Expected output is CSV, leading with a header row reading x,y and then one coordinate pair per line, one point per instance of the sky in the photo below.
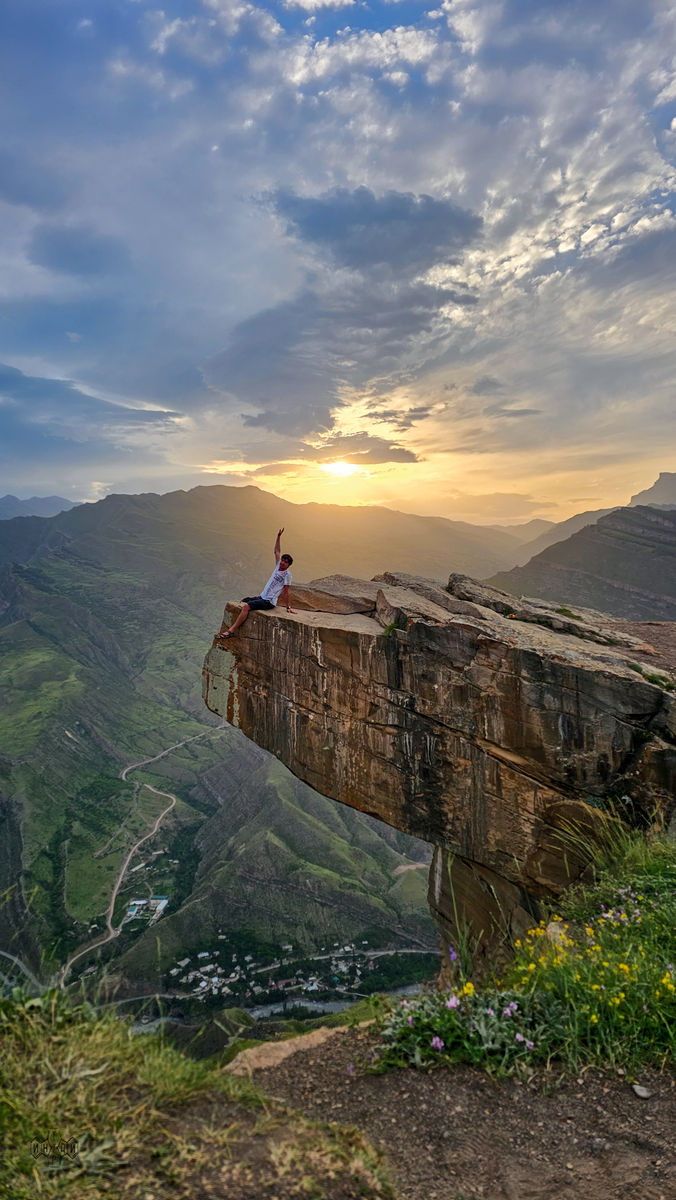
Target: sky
x,y
350,252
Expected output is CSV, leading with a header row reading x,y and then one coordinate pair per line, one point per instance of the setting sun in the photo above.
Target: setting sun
x,y
340,468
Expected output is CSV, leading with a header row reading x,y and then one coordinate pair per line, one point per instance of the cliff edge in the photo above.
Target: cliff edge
x,y
496,729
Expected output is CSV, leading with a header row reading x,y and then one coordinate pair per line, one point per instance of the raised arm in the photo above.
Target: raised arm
x,y
278,550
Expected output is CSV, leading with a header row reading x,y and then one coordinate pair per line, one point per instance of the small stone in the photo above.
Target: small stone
x,y
643,1093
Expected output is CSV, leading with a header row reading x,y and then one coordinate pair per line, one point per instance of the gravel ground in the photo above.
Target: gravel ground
x,y
454,1133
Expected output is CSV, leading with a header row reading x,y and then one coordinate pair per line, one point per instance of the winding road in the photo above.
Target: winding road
x,y
144,762
112,932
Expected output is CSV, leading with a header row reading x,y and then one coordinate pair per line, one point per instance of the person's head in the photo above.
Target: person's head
x,y
285,561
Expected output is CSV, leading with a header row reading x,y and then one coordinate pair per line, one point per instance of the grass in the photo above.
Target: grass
x,y
661,681
89,1110
567,612
595,983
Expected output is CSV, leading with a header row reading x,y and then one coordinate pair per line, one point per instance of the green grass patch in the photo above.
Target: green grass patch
x,y
87,1109
36,682
595,983
661,681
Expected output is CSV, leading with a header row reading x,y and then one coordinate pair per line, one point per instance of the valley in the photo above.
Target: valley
x,y
119,789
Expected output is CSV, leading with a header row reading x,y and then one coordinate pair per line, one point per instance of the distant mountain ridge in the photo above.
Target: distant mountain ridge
x,y
239,523
662,492
625,564
558,533
36,506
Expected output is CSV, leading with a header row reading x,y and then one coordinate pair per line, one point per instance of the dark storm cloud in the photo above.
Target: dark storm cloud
x,y
399,231
76,250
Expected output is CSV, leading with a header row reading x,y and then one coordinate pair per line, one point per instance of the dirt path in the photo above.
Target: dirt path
x,y
454,1133
144,762
112,931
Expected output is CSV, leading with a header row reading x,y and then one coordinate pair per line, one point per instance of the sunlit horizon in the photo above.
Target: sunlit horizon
x,y
424,259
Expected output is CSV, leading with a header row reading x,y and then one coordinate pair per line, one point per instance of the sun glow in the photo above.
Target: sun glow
x,y
339,468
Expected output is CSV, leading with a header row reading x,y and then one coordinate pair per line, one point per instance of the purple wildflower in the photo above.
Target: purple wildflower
x,y
518,1037
452,1002
530,1045
452,954
490,1012
506,1012
350,1068
437,1043
410,1020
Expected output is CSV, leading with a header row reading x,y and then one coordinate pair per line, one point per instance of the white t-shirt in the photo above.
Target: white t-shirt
x,y
276,582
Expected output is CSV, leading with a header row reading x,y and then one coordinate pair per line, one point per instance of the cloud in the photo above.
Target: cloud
x,y
361,449
358,51
27,182
61,409
486,198
292,363
314,5
76,250
402,419
486,386
400,231
502,410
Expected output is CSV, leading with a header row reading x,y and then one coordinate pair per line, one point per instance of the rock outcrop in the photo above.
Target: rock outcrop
x,y
496,729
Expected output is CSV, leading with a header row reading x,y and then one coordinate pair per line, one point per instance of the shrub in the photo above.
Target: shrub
x,y
594,985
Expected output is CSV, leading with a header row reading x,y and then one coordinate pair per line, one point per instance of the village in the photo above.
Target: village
x,y
342,970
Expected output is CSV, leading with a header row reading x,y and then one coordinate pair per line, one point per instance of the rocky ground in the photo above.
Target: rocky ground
x,y
455,1133
661,635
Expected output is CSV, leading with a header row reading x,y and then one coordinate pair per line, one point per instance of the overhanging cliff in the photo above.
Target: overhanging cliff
x,y
485,725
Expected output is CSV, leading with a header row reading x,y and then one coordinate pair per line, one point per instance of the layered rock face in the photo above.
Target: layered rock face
x,y
479,723
623,564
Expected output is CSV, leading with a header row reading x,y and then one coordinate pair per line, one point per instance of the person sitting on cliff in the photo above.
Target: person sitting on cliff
x,y
278,584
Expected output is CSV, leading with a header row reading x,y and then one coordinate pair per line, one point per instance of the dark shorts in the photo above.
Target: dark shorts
x,y
257,602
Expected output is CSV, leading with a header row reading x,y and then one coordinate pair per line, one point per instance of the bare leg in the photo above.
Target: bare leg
x,y
236,624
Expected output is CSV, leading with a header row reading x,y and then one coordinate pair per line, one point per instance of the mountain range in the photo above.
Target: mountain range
x,y
105,613
624,564
36,506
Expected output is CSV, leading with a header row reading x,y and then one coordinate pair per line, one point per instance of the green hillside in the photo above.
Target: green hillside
x,y
105,615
